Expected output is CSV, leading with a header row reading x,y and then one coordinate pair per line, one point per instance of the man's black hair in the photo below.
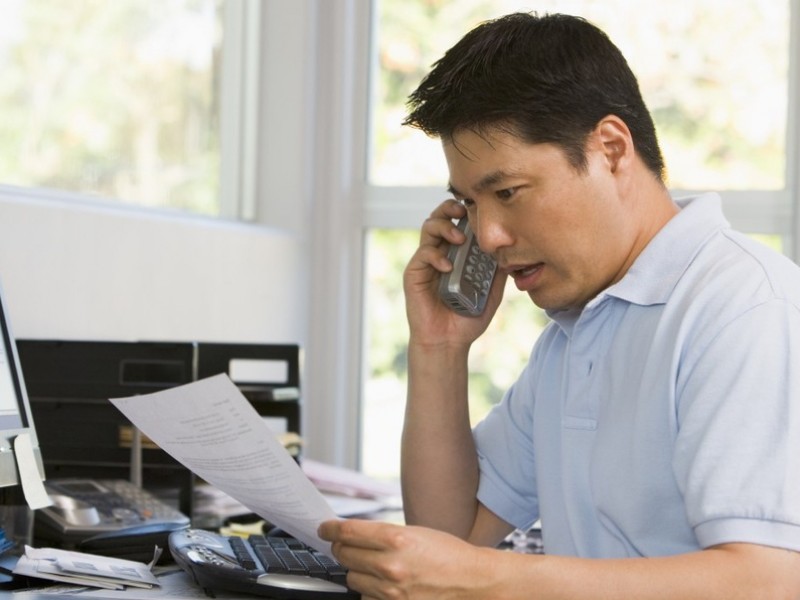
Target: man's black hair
x,y
546,79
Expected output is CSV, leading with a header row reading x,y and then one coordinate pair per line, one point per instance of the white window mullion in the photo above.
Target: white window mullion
x,y
333,356
793,129
239,108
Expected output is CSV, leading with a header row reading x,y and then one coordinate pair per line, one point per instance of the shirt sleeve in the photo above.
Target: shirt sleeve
x,y
737,453
506,458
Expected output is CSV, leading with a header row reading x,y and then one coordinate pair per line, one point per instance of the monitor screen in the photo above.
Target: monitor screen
x,y
15,416
10,417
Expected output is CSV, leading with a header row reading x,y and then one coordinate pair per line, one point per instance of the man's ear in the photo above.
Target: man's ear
x,y
613,139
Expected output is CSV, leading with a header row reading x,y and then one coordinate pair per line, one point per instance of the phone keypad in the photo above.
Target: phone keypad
x,y
116,500
479,270
143,502
466,288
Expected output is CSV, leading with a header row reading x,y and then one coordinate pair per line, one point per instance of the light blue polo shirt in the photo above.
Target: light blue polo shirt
x,y
665,416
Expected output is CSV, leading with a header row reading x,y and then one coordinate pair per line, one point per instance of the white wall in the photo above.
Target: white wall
x,y
74,270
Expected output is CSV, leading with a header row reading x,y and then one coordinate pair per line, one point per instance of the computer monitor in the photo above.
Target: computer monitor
x,y
15,411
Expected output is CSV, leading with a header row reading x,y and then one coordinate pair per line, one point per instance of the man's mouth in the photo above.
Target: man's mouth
x,y
525,276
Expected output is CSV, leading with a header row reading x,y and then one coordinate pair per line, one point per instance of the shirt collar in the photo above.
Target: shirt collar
x,y
657,270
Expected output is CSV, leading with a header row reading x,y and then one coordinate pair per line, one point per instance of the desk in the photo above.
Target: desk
x,y
175,583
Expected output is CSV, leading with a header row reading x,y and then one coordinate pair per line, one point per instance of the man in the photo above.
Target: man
x,y
656,428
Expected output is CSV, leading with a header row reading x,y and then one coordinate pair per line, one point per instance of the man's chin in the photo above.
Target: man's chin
x,y
553,304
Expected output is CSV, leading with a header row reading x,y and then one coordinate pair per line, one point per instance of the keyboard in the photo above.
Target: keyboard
x,y
272,567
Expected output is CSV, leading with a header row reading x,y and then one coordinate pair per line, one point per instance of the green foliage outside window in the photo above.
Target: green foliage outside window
x,y
116,99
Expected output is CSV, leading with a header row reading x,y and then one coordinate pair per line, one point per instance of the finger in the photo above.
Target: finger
x,y
364,534
375,573
368,585
435,231
352,532
428,255
449,209
439,226
329,530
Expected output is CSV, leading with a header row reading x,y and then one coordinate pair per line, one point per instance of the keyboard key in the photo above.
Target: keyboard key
x,y
242,554
288,556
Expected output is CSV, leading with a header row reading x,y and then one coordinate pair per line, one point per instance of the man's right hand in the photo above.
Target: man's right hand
x,y
430,320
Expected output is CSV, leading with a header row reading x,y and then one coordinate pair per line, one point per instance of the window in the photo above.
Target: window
x,y
718,92
718,84
113,99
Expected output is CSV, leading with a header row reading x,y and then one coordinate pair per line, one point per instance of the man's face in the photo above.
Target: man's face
x,y
564,235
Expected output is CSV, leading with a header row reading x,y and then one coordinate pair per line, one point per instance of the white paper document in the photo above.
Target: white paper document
x,y
79,568
212,429
174,584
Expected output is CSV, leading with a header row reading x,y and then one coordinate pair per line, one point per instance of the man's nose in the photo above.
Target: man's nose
x,y
492,232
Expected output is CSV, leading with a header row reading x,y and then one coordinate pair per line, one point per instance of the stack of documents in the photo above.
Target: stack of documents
x,y
85,569
346,482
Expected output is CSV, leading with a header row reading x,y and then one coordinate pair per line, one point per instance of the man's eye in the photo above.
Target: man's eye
x,y
467,202
506,193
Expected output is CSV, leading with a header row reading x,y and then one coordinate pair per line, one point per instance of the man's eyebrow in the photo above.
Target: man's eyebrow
x,y
491,180
487,181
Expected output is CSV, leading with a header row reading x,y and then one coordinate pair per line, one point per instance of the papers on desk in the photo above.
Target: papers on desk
x,y
208,501
174,583
85,569
343,482
211,428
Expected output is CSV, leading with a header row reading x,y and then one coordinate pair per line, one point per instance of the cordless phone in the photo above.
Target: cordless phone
x,y
466,288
